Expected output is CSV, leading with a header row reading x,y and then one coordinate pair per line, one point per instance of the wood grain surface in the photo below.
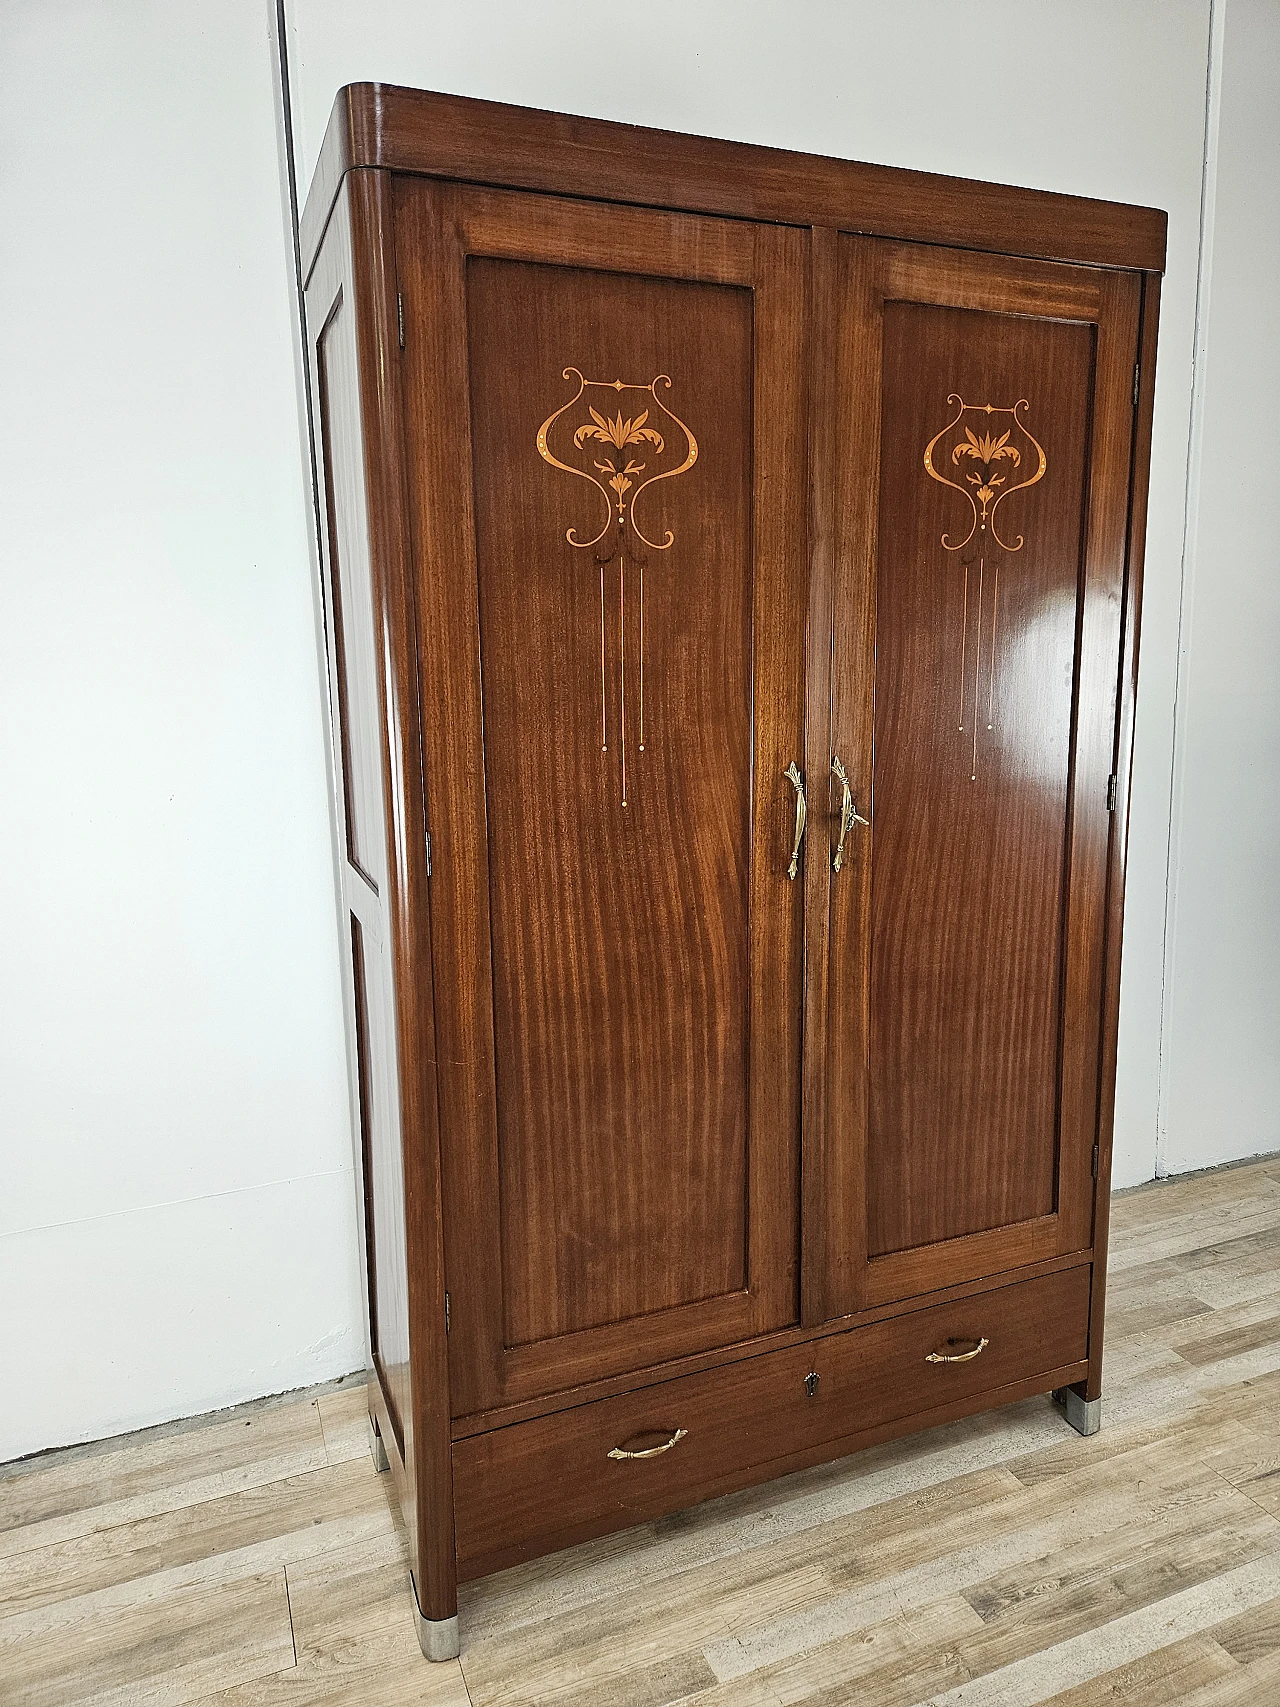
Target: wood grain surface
x,y
963,1050
487,142
367,588
632,1104
352,568
617,705
975,672
620,1057
251,1559
720,1357
1119,845
535,1487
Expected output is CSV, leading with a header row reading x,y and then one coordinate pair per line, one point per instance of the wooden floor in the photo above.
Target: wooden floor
x,y
250,1559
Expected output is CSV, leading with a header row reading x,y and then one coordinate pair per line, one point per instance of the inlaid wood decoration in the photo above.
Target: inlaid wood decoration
x,y
990,461
970,845
632,824
731,594
976,639
627,453
621,1066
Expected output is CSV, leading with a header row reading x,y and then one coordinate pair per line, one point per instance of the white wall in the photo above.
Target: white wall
x,y
1222,1043
1097,97
176,1198
176,1225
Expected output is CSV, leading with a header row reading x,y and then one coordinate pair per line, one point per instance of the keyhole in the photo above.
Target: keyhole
x,y
811,1383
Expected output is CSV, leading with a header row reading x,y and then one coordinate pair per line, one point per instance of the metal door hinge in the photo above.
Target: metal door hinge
x,y
446,1296
1111,792
1137,378
400,317
428,853
1095,1161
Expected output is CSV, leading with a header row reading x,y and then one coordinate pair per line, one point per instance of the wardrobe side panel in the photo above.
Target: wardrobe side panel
x,y
351,637
1127,698
352,631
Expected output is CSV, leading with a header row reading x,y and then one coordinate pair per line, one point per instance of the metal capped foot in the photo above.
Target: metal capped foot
x,y
1084,1415
377,1451
437,1637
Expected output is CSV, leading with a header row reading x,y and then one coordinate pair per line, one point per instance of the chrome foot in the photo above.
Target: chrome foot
x,y
1084,1415
437,1637
377,1451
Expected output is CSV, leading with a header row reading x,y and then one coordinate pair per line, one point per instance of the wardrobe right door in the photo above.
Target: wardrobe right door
x,y
982,442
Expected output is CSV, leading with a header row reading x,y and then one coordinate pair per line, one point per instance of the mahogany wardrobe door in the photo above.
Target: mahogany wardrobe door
x,y
985,411
606,457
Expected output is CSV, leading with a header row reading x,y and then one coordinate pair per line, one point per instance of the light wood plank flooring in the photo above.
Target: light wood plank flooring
x,y
250,1559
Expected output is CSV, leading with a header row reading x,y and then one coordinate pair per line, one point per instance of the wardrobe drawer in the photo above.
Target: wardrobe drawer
x,y
529,1488
535,1486
914,1363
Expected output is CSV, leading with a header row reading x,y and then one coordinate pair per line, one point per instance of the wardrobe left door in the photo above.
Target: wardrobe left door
x,y
604,413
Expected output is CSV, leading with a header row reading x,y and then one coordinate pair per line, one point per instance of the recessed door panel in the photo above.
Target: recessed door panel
x,y
979,566
978,583
615,642
605,417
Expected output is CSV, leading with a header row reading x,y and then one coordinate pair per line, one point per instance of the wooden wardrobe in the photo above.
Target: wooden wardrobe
x,y
731,576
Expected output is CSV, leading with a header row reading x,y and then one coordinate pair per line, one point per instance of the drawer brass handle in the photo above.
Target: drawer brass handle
x,y
797,782
958,1357
849,814
649,1451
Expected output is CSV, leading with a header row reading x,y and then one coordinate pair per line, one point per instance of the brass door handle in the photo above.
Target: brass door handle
x,y
849,814
957,1357
797,782
649,1451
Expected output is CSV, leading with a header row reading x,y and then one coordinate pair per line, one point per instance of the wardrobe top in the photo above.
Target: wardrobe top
x,y
488,142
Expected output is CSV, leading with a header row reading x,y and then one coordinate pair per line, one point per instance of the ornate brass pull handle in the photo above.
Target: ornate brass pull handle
x,y
959,1357
797,782
649,1451
849,814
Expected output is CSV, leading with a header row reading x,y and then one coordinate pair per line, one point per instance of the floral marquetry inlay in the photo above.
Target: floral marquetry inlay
x,y
990,465
986,483
628,453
